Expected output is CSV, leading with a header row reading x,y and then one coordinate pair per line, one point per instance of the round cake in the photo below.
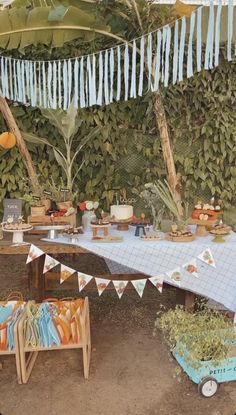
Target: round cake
x,y
122,212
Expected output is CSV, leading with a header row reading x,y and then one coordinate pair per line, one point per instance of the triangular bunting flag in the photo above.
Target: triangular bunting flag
x,y
83,280
139,286
34,253
101,284
158,282
66,272
120,287
175,275
207,257
49,263
191,267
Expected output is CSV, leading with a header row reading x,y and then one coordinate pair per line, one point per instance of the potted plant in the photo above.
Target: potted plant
x,y
68,152
201,341
160,198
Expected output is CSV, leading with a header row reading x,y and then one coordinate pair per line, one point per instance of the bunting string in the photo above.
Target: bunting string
x,y
190,269
124,71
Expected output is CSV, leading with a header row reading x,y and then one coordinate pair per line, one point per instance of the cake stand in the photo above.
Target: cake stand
x,y
52,230
219,237
202,225
18,235
122,225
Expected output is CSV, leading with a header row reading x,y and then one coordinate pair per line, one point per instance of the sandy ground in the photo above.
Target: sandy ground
x,y
131,371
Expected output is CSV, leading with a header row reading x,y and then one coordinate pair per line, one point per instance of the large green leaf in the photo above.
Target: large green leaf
x,y
67,122
20,27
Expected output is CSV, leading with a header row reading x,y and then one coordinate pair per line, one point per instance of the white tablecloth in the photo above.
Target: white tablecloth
x,y
159,257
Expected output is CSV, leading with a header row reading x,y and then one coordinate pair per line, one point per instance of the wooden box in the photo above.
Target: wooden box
x,y
27,362
46,220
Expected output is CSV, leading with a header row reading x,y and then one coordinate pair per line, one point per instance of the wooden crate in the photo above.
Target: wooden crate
x,y
46,220
27,362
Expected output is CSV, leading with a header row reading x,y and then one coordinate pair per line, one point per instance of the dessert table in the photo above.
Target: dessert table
x,y
134,258
160,258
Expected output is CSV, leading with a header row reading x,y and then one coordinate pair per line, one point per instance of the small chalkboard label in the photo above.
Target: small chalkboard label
x,y
65,190
12,209
36,197
47,192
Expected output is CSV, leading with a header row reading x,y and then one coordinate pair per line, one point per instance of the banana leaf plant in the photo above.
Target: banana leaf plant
x,y
67,124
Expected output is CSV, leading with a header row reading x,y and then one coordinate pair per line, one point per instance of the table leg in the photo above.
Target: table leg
x,y
185,298
36,279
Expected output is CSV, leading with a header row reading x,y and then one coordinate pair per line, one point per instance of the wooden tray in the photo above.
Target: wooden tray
x,y
108,239
180,238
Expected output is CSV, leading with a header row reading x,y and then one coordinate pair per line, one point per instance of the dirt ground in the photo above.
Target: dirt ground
x,y
131,370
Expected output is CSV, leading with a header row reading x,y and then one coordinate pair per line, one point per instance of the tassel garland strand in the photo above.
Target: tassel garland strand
x,y
126,71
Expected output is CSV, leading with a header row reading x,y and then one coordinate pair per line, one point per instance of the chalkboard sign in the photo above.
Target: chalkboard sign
x,y
12,209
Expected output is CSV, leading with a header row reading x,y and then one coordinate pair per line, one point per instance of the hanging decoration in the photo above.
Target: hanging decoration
x,y
139,286
49,263
34,253
124,71
83,280
120,287
207,257
7,140
66,272
175,276
157,282
101,284
190,267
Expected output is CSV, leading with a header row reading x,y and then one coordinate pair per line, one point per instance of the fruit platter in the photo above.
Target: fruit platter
x,y
180,234
205,216
207,211
219,231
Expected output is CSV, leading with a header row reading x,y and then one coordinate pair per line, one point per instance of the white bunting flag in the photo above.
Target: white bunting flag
x,y
34,253
191,267
139,286
66,272
207,257
120,287
83,280
175,275
158,282
49,263
101,284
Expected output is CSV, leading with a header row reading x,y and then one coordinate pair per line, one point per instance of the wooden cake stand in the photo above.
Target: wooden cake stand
x,y
122,225
202,225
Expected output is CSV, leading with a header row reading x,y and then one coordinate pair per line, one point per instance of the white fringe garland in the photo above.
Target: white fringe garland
x,y
123,72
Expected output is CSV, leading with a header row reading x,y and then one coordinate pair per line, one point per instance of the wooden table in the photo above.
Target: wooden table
x,y
40,283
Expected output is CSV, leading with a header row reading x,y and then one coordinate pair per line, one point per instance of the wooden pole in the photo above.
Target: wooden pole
x,y
161,122
13,127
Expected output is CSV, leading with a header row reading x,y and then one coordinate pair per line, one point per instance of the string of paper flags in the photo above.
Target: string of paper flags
x,y
124,71
83,279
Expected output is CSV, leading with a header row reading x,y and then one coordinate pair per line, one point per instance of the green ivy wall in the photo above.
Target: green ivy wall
x,y
127,153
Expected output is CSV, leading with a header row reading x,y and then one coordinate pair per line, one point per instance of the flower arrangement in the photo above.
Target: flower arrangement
x,y
88,205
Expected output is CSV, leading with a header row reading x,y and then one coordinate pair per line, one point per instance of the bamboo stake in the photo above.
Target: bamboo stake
x,y
161,122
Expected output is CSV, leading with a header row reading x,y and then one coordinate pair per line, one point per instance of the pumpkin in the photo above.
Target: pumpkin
x,y
7,140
